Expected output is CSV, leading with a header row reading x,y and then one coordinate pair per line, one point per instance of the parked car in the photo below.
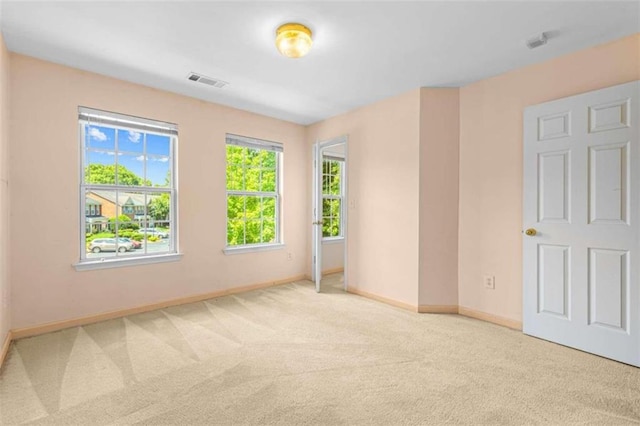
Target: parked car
x,y
154,232
135,244
109,244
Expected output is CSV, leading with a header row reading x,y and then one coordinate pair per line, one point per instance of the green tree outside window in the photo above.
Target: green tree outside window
x,y
252,195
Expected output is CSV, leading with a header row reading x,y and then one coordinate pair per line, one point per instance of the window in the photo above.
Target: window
x,y
332,197
128,167
253,192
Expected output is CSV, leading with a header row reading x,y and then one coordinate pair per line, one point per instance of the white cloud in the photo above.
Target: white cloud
x,y
113,153
160,159
96,134
134,136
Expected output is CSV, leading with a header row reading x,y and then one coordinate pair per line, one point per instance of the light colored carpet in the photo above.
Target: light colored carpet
x,y
287,355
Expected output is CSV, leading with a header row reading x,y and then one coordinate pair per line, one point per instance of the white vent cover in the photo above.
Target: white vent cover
x,y
207,80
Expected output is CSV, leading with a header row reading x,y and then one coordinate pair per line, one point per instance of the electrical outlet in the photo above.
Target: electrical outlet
x,y
289,256
489,282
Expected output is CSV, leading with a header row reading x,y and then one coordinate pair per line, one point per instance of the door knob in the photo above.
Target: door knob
x,y
531,232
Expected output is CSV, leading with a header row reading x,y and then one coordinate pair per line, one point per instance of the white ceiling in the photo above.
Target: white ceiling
x,y
363,51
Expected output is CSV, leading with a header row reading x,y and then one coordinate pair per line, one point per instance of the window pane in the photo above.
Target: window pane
x,y
326,207
235,232
106,201
253,233
268,180
331,177
127,220
325,184
251,219
235,155
99,233
269,208
235,178
331,217
330,227
100,137
158,171
159,209
96,225
130,170
269,231
253,209
158,144
335,218
130,141
326,226
335,188
252,179
252,157
235,207
100,167
335,207
157,232
124,232
268,160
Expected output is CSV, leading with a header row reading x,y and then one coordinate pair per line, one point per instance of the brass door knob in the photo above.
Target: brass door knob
x,y
531,232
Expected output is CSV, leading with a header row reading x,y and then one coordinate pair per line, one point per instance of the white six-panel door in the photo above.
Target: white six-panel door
x,y
581,201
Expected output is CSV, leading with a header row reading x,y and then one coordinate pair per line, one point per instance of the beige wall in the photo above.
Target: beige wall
x,y
439,141
382,194
403,188
5,293
491,163
44,148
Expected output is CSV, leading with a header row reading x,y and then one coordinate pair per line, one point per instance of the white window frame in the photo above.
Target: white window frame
x,y
341,197
113,120
278,148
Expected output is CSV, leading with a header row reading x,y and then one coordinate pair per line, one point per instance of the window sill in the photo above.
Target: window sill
x,y
253,248
333,240
133,261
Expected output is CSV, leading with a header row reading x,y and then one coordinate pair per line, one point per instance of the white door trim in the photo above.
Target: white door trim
x,y
316,212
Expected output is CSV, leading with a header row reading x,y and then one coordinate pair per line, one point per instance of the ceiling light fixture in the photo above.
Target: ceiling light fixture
x,y
293,40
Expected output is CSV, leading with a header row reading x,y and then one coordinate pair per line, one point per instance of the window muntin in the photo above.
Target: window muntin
x,y
127,186
332,197
253,192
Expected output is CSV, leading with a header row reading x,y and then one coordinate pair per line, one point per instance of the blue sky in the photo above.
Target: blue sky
x,y
130,151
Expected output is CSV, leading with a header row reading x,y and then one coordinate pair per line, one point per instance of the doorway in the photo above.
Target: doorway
x,y
329,214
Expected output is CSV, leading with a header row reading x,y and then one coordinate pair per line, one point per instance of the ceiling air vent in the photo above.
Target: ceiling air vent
x,y
537,41
207,80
